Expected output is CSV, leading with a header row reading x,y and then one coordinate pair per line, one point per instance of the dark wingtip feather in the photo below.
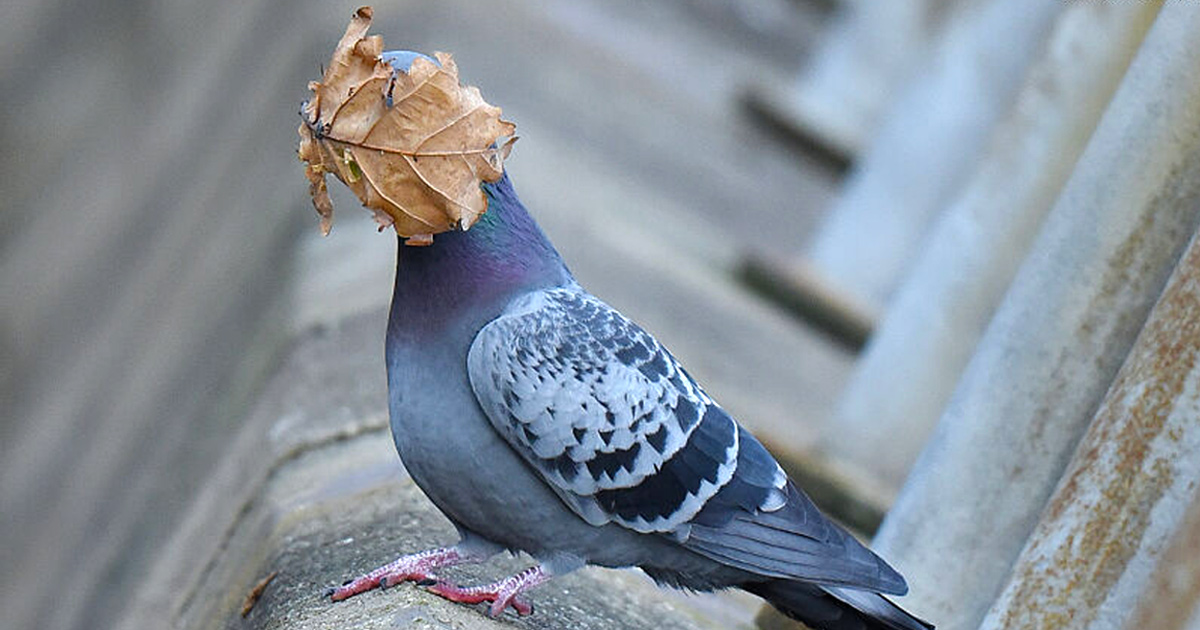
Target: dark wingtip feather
x,y
833,608
879,608
796,542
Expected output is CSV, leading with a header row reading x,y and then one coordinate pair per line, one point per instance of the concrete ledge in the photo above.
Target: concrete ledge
x,y
312,491
341,510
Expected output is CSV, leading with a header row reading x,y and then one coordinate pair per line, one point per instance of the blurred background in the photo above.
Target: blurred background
x,y
158,248
765,184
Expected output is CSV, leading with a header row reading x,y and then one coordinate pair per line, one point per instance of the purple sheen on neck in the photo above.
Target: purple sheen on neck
x,y
467,278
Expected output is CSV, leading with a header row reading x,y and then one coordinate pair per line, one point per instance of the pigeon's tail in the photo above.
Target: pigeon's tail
x,y
836,608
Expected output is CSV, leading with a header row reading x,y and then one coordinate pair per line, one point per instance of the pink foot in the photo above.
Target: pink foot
x,y
502,594
477,594
415,567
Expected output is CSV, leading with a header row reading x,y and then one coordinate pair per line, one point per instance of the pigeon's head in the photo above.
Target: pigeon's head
x,y
402,59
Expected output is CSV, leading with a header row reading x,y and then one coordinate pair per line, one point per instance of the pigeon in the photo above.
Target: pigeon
x,y
537,418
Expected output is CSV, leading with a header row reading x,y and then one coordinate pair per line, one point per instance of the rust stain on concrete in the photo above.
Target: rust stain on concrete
x,y
1174,593
1095,522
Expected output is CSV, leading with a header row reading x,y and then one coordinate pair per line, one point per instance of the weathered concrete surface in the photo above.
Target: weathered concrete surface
x,y
329,387
928,144
1092,557
331,523
1173,600
908,370
312,488
1057,340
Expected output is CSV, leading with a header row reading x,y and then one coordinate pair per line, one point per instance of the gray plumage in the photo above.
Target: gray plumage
x,y
597,406
538,418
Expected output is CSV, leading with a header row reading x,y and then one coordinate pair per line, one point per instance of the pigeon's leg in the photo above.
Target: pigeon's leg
x,y
502,594
415,567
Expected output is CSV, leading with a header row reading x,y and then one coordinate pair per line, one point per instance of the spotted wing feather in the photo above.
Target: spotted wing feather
x,y
602,411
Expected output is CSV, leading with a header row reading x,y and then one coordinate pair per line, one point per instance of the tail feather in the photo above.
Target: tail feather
x,y
836,608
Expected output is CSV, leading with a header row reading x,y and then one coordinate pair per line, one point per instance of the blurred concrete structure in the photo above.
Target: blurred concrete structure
x,y
866,55
908,371
1057,340
927,145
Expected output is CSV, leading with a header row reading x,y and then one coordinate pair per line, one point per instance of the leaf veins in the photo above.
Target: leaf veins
x,y
413,146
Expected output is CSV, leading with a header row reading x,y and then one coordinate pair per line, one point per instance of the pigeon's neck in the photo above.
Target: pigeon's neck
x,y
464,279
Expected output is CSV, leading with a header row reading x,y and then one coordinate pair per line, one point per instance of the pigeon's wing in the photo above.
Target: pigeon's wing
x,y
623,434
784,537
602,411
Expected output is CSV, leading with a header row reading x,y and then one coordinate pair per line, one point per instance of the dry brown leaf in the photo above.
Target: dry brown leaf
x,y
414,147
256,593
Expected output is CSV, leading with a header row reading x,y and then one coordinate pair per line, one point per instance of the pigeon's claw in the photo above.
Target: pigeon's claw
x,y
502,595
477,594
415,567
